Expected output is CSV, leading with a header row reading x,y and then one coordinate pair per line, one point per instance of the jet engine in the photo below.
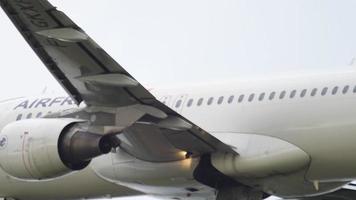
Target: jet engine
x,y
37,149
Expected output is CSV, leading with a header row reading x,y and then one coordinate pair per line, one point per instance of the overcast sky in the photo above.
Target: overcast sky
x,y
166,42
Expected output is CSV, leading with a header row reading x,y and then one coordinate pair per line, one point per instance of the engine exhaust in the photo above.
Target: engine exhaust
x,y
77,149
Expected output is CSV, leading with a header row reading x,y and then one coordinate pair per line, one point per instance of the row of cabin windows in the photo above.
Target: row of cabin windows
x,y
240,99
271,96
30,116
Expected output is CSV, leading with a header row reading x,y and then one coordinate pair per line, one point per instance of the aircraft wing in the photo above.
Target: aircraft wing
x,y
89,74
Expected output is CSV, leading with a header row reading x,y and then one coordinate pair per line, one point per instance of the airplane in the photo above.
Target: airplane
x,y
108,136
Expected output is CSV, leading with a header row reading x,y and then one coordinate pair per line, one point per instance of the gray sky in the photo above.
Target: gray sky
x,y
166,42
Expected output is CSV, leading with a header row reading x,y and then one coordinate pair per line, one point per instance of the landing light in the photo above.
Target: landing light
x,y
186,154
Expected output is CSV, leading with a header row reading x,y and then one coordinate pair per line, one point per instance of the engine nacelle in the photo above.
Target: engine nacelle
x,y
37,149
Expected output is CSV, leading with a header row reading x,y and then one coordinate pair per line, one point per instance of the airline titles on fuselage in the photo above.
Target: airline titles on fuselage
x,y
44,103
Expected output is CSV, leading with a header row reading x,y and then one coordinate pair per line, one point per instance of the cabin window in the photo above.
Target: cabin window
x,y
303,93
241,98
220,100
346,89
179,103
313,92
262,96
334,91
292,94
190,103
19,117
231,99
272,95
210,100
251,97
200,101
282,95
354,89
324,91
164,100
39,115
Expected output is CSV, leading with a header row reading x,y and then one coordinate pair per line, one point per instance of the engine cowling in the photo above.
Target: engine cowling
x,y
37,149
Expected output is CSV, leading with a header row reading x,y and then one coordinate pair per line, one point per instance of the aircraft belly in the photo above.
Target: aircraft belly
x,y
173,179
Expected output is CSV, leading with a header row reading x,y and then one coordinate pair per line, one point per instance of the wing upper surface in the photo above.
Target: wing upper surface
x,y
83,68
89,74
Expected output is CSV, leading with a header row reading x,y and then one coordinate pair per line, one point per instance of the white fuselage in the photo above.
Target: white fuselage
x,y
319,122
